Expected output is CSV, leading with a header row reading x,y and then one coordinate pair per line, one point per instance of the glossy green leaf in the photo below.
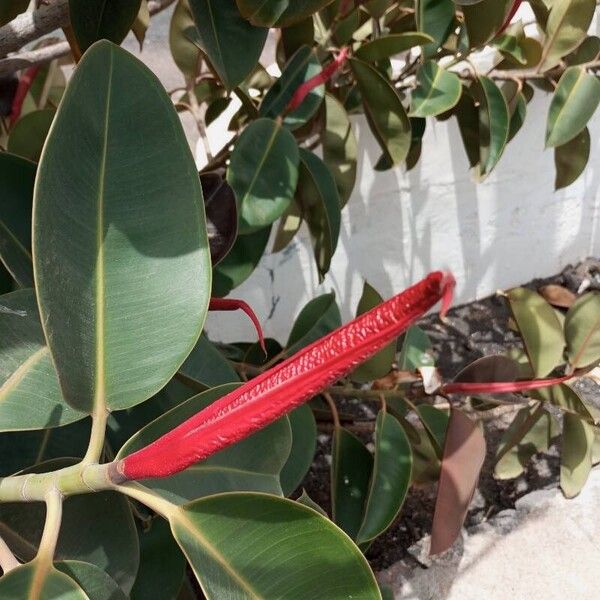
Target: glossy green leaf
x,y
241,546
206,366
467,115
587,51
28,135
494,123
34,582
280,13
302,452
305,499
96,584
575,454
384,111
50,82
303,65
230,42
415,350
339,147
437,91
567,26
120,241
435,18
17,176
570,159
484,19
263,173
389,45
567,399
162,565
94,20
10,9
351,469
390,479
318,318
318,198
253,464
379,365
185,53
30,396
540,329
573,104
582,330
435,422
240,262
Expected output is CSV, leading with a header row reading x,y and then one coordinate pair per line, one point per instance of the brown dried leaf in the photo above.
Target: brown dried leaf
x,y
557,295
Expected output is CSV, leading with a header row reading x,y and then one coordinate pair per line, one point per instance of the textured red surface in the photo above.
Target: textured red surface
x,y
233,304
287,385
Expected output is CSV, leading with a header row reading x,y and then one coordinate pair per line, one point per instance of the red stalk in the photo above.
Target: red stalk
x,y
319,79
292,382
509,16
233,304
502,387
24,86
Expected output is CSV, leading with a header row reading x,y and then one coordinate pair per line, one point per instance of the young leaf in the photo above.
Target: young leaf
x,y
216,534
570,159
582,330
384,111
339,147
49,583
464,453
390,479
318,198
230,42
119,241
540,329
573,104
388,45
575,454
567,26
435,18
263,173
94,20
17,176
437,91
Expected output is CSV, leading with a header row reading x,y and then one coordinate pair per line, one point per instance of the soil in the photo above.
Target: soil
x,y
474,330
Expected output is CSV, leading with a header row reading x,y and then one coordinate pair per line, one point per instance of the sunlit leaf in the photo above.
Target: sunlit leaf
x,y
575,454
582,330
437,91
391,44
571,159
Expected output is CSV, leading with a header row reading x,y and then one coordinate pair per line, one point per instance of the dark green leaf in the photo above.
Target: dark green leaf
x,y
575,454
582,330
185,53
280,13
570,159
467,115
435,18
435,422
391,44
29,133
49,584
415,350
96,584
484,19
437,91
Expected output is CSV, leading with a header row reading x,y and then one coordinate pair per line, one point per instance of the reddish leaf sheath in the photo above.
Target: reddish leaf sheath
x,y
319,79
25,83
287,385
233,304
509,16
502,387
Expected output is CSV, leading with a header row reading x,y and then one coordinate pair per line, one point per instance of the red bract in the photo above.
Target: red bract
x,y
502,387
287,385
233,304
24,85
319,79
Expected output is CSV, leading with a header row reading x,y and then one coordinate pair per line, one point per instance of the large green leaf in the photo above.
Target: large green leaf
x,y
30,396
263,173
388,45
540,329
380,364
121,256
94,20
243,546
35,582
438,90
384,111
185,53
415,350
253,464
302,452
390,479
28,135
339,147
582,330
17,176
351,469
484,19
230,42
95,582
318,198
280,13
435,18
303,65
494,123
570,159
318,318
575,454
573,104
567,27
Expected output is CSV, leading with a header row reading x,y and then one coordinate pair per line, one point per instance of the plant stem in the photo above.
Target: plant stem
x,y
8,561
97,435
49,539
146,496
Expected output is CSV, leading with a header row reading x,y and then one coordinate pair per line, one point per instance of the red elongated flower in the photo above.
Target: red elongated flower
x,y
25,82
234,304
319,79
292,382
502,387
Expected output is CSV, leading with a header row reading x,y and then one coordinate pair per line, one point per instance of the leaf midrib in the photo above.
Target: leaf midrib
x,y
22,370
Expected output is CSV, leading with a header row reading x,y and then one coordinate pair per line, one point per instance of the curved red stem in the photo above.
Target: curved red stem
x,y
24,86
282,388
234,304
509,16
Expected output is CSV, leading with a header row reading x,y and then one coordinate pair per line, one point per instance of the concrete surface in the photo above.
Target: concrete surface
x,y
548,548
